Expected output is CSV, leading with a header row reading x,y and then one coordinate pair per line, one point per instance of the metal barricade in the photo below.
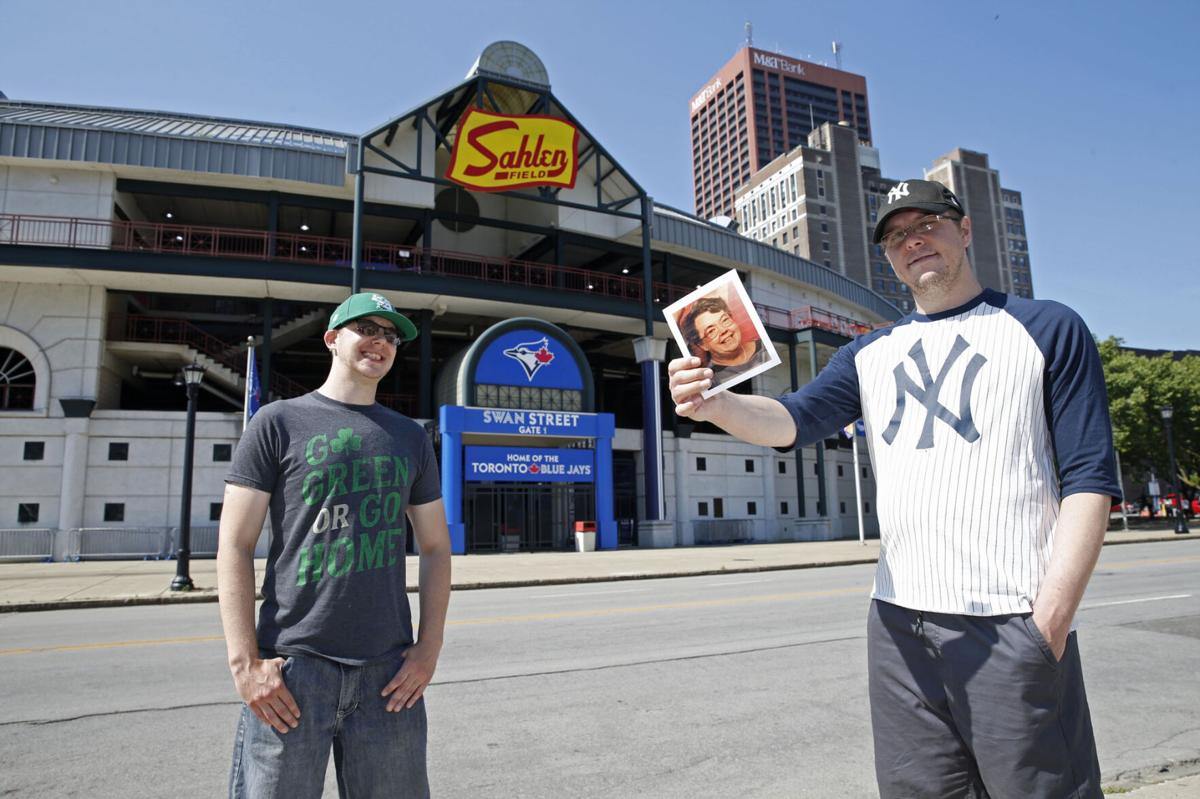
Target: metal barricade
x,y
723,531
24,543
203,542
119,543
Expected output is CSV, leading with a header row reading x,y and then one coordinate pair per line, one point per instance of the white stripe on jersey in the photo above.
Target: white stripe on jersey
x,y
968,494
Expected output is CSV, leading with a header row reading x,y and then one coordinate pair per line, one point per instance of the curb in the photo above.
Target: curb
x,y
210,595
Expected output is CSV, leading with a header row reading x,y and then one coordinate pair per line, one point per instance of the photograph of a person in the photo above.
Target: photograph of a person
x,y
717,323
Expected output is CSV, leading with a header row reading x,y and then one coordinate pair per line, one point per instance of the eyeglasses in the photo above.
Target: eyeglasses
x,y
372,330
711,332
894,239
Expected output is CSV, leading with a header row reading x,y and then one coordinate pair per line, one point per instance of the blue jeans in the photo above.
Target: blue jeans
x,y
376,753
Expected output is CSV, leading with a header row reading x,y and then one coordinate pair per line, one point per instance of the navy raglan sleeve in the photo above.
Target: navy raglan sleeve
x,y
828,403
1076,401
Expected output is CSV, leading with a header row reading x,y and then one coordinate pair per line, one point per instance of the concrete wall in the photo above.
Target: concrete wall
x,y
51,191
148,484
59,328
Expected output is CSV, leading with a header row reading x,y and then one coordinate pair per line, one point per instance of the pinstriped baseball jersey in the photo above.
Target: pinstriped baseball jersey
x,y
979,419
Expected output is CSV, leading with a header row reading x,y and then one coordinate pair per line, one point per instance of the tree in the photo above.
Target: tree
x,y
1138,387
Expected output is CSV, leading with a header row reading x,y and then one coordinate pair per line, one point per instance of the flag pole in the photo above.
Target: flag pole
x,y
250,380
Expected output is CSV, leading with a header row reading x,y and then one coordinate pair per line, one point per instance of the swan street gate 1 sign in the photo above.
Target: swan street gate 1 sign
x,y
523,460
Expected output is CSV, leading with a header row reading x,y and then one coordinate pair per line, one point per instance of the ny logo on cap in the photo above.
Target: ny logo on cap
x,y
898,191
381,302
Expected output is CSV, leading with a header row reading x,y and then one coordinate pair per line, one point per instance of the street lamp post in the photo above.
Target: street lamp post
x,y
1181,527
193,373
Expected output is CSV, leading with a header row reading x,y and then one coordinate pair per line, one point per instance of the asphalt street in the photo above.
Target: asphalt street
x,y
715,686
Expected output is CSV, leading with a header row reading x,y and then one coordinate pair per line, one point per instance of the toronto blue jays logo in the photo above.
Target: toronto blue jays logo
x,y
928,391
532,355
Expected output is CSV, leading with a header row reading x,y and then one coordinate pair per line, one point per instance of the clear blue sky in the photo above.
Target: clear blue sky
x,y
1090,109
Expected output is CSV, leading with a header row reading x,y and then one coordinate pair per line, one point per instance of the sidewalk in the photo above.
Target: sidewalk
x,y
57,586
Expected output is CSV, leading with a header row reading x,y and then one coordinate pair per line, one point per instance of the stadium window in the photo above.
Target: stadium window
x,y
35,450
702,509
783,467
841,472
118,451
751,508
701,464
17,381
749,465
718,508
783,509
27,512
114,511
222,452
842,506
214,511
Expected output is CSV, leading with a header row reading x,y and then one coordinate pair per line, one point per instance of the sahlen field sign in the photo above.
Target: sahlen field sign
x,y
497,152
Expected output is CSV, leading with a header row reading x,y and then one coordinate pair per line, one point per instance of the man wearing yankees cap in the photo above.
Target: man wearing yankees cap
x,y
988,425
334,664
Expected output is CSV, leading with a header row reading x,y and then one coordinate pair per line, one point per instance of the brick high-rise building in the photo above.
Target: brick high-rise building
x,y
821,201
757,107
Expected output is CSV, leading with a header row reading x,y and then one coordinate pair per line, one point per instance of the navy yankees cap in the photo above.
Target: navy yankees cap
x,y
922,195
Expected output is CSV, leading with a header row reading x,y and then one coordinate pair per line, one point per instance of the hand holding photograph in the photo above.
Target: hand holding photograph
x,y
718,324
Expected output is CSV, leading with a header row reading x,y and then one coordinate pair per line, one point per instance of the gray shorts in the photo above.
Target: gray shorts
x,y
976,706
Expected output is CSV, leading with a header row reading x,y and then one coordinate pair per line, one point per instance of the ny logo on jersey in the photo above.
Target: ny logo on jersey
x,y
896,192
928,391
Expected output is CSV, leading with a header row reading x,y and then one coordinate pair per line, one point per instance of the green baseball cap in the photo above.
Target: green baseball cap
x,y
370,304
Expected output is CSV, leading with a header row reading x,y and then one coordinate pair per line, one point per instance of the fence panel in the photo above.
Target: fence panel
x,y
24,543
120,543
723,531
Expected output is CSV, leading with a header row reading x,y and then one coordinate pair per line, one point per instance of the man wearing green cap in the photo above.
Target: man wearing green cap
x,y
334,663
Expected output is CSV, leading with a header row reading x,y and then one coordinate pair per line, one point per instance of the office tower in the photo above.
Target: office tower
x,y
757,107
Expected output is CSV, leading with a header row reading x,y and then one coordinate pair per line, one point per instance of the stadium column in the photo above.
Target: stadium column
x,y
682,449
800,510
74,473
356,256
649,353
806,337
425,368
264,351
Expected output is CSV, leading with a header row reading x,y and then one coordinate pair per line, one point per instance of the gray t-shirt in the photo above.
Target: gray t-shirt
x,y
340,478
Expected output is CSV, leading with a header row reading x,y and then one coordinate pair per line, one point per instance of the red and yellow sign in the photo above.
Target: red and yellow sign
x,y
496,152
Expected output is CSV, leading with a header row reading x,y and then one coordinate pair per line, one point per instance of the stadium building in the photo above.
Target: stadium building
x,y
134,243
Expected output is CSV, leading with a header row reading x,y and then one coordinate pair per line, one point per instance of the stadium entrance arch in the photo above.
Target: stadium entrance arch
x,y
524,455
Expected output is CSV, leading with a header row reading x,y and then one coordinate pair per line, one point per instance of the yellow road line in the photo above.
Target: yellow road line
x,y
1129,564
569,614
109,645
699,603
565,614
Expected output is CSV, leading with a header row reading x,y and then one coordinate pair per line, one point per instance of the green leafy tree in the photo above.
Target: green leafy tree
x,y
1138,388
